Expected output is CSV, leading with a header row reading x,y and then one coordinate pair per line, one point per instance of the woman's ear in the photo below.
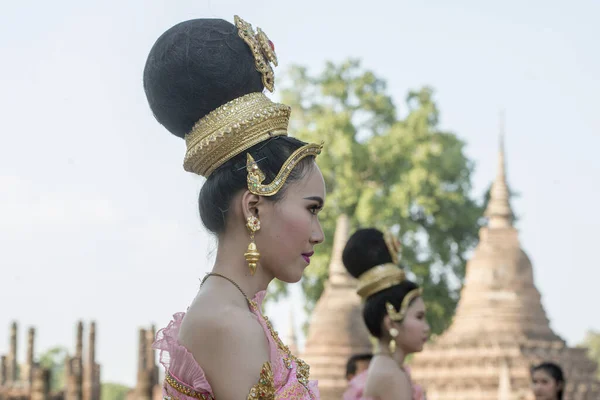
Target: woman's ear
x,y
387,324
250,204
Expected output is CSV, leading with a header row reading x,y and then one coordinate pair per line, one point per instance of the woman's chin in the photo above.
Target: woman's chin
x,y
291,275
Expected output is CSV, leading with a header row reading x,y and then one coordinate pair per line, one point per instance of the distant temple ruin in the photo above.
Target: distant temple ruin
x,y
500,328
30,381
148,385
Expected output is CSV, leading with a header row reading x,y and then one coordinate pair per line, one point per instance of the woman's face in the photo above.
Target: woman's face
x,y
545,386
414,329
290,228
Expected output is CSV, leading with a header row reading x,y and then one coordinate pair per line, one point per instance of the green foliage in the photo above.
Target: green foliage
x,y
54,360
113,391
592,342
384,171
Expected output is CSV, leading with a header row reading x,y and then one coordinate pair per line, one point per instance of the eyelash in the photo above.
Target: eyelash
x,y
314,210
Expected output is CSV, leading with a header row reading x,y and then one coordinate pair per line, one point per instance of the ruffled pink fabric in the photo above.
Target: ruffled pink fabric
x,y
177,359
182,366
357,385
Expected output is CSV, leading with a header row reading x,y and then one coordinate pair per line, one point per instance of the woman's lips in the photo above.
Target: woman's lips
x,y
307,256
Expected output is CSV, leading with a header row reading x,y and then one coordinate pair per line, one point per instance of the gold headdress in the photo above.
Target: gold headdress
x,y
385,276
379,278
244,122
232,128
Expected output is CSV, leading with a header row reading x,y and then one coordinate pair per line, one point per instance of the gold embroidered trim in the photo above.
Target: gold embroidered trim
x,y
174,383
265,388
302,368
256,176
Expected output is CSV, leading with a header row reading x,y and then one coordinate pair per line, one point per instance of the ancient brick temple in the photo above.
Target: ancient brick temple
x,y
29,381
336,328
500,328
148,386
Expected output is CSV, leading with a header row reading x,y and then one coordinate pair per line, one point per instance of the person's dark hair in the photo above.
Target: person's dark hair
x,y
193,68
351,364
555,371
365,249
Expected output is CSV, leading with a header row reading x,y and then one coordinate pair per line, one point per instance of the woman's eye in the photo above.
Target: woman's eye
x,y
314,209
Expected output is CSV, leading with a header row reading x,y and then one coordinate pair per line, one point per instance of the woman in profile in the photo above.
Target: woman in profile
x,y
394,313
548,381
204,81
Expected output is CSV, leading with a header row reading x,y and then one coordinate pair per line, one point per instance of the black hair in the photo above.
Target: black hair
x,y
193,68
366,249
555,371
351,364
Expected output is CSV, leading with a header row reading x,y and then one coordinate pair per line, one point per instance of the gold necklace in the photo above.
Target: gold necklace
x,y
250,301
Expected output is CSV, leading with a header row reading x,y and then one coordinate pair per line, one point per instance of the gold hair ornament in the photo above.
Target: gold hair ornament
x,y
379,278
256,176
262,49
232,128
398,316
393,245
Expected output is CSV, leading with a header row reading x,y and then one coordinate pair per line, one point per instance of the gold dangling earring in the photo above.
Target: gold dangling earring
x,y
392,346
252,255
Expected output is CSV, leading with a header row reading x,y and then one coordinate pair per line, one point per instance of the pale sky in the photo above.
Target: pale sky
x,y
99,221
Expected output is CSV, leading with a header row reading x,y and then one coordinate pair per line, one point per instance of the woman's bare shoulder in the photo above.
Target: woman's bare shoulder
x,y
229,344
388,383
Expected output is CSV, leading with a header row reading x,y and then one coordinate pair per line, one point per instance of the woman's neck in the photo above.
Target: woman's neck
x,y
230,263
383,349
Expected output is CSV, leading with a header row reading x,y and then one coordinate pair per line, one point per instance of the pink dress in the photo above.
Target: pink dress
x,y
283,377
357,386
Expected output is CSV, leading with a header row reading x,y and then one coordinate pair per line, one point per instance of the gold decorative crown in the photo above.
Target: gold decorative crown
x,y
393,245
379,278
232,128
398,316
262,49
256,176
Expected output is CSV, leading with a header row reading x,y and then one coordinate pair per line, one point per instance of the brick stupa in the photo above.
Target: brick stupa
x,y
500,328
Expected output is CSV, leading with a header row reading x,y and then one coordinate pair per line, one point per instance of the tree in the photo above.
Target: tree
x,y
114,391
54,360
384,171
592,342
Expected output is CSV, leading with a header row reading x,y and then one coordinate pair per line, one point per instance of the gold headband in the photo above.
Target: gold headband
x,y
379,278
398,316
232,128
256,176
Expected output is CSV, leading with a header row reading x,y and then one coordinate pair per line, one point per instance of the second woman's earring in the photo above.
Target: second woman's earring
x,y
392,346
252,255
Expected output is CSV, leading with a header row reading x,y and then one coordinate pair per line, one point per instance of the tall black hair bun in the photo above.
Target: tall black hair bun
x,y
195,67
365,249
